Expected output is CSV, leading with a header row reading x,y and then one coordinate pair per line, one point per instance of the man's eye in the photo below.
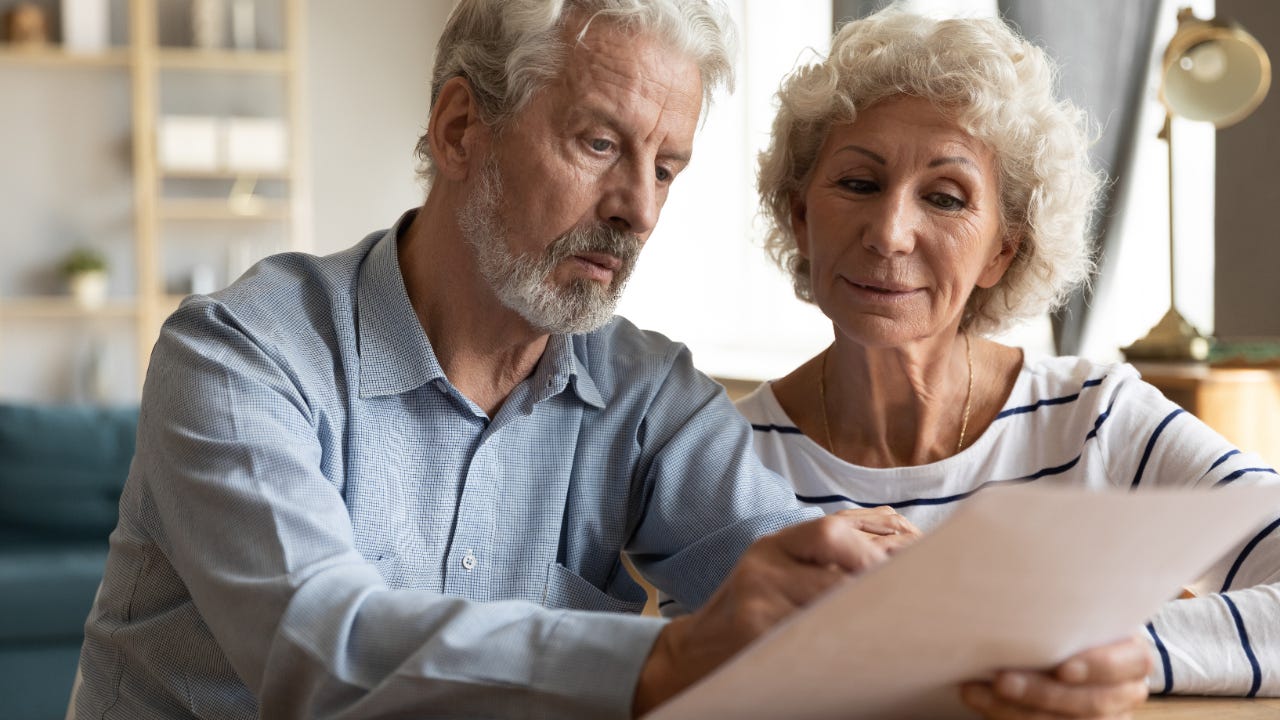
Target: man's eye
x,y
601,145
663,174
946,202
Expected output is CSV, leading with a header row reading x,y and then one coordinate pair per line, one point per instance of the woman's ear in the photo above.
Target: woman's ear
x,y
999,263
455,129
800,224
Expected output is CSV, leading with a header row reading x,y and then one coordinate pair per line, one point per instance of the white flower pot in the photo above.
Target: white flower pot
x,y
89,289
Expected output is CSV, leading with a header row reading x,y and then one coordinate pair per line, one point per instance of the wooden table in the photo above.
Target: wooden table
x,y
1241,403
1203,708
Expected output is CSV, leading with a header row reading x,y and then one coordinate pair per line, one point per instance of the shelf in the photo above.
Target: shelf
x,y
223,60
56,56
259,209
58,306
222,175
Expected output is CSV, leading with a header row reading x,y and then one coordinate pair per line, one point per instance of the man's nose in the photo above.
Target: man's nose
x,y
631,202
892,227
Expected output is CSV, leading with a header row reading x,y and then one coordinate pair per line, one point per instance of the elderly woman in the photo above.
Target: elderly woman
x,y
925,189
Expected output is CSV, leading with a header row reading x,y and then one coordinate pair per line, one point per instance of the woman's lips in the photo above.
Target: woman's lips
x,y
881,292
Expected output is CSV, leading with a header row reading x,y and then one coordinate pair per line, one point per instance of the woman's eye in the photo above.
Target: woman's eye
x,y
946,202
601,145
861,187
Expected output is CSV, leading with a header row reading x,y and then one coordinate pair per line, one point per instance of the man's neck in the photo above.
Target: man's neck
x,y
484,348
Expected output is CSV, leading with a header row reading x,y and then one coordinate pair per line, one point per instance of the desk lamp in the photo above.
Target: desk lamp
x,y
1213,71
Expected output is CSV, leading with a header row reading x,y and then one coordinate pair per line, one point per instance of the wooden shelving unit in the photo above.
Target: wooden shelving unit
x,y
57,57
53,307
157,219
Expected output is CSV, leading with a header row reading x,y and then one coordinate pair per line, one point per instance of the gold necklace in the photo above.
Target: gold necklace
x,y
964,419
968,393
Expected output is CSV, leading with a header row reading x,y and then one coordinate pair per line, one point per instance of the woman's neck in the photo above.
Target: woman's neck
x,y
902,406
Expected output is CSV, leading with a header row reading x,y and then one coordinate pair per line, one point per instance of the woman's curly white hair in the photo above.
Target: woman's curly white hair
x,y
1000,89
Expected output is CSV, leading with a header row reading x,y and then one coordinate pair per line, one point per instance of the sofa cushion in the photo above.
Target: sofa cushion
x,y
62,467
48,589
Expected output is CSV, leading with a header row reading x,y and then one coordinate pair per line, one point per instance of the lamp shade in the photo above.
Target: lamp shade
x,y
1213,71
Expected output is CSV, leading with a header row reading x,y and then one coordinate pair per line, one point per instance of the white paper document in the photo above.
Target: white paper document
x,y
1019,577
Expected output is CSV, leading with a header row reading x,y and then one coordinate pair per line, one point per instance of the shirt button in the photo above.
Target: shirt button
x,y
468,561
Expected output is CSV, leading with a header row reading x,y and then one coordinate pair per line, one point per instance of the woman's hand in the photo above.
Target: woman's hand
x,y
883,526
1106,683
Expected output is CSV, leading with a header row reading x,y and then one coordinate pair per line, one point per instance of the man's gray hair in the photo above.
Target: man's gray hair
x,y
507,49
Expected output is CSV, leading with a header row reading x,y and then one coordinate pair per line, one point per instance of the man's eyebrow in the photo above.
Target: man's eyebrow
x,y
682,158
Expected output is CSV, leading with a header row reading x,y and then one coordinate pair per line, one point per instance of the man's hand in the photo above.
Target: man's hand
x,y
1106,682
774,577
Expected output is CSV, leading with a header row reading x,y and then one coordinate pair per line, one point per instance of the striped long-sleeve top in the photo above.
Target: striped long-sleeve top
x,y
1069,421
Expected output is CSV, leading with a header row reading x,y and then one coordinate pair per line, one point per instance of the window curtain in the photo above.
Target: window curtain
x,y
1102,47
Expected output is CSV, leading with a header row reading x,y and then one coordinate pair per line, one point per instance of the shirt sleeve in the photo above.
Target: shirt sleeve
x,y
706,495
262,540
1225,641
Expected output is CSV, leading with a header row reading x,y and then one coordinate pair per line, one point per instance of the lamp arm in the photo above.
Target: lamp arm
x,y
1166,134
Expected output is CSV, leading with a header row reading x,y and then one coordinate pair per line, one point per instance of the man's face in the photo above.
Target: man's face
x,y
574,183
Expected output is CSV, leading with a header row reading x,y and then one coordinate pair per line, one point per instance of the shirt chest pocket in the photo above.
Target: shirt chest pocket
x,y
567,590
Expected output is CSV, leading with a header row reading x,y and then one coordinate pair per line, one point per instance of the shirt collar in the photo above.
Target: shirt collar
x,y
395,354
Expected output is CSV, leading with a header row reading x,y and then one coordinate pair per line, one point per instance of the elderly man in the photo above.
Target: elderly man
x,y
397,481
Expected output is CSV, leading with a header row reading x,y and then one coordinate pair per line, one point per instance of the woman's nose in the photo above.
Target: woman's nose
x,y
892,226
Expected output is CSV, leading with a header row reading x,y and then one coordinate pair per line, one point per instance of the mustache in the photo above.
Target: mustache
x,y
600,238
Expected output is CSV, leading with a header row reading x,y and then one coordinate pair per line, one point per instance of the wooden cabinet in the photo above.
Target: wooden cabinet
x,y
175,216
1243,404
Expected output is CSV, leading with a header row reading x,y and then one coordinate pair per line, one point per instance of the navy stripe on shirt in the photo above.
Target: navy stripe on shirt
x,y
1146,454
1045,472
1051,401
1242,471
1248,649
789,430
1164,661
1235,567
1221,460
783,429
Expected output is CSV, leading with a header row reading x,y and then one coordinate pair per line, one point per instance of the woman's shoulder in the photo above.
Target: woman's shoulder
x,y
760,406
1063,372
1063,391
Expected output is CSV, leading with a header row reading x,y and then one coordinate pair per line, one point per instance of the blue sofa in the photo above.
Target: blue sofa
x,y
61,472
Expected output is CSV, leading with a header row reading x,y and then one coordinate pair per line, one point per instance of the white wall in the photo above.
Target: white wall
x,y
368,66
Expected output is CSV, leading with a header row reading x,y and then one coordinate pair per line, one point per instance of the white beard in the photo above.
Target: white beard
x,y
525,284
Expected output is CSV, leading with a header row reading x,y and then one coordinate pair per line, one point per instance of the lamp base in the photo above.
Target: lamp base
x,y
1172,339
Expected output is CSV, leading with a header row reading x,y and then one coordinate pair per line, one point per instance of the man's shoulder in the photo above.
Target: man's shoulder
x,y
621,357
288,291
623,348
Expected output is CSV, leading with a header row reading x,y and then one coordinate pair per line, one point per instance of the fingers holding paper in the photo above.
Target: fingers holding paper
x,y
883,526
1103,682
777,575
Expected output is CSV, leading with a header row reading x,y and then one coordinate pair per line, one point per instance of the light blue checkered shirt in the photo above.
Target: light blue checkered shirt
x,y
318,524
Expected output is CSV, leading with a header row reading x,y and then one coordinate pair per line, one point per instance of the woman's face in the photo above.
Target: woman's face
x,y
900,221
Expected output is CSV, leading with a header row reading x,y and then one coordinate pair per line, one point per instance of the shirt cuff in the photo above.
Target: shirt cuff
x,y
596,658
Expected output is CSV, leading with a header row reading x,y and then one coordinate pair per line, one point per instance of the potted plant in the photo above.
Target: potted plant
x,y
86,273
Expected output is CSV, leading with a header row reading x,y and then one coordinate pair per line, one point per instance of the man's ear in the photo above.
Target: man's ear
x,y
455,130
999,263
800,224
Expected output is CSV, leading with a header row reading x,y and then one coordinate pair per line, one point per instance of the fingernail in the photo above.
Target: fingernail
x,y
1012,685
1073,671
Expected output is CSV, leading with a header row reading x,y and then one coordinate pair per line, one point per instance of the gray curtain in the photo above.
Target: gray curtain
x,y
1102,47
